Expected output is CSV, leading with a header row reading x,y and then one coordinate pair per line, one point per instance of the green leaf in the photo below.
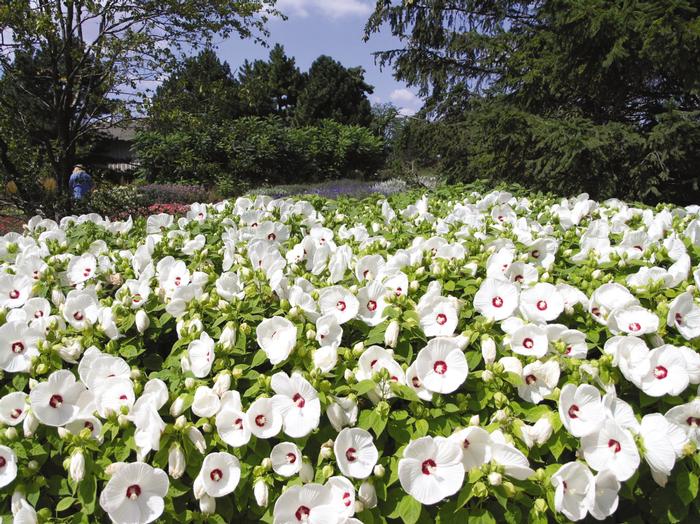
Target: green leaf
x,y
364,386
687,485
409,509
64,504
481,516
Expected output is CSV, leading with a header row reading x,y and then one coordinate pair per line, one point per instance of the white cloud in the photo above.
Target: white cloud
x,y
404,97
328,8
408,102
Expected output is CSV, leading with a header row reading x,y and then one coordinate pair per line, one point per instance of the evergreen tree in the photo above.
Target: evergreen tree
x,y
201,86
567,95
335,92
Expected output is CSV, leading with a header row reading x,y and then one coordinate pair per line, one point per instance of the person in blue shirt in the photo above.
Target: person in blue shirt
x,y
80,183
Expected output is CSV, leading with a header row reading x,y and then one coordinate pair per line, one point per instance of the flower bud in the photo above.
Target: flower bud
x,y
379,471
261,491
306,474
266,464
474,420
310,335
142,321
57,297
326,452
17,498
367,494
207,504
135,374
359,506
487,375
197,439
29,425
327,471
391,335
540,506
176,461
500,416
358,348
228,337
488,349
222,384
77,466
495,478
414,284
480,490
180,422
185,364
189,382
11,433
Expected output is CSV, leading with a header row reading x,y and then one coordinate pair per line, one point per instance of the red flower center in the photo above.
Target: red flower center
x,y
351,454
535,253
679,318
441,319
541,305
238,423
16,413
136,298
3,461
271,236
399,291
301,513
440,367
372,305
347,499
123,397
573,411
87,271
14,294
634,326
660,372
260,420
568,349
519,278
133,492
78,315
497,301
595,311
38,314
428,467
216,474
614,445
56,401
466,443
17,347
530,379
528,343
178,281
89,425
341,305
416,382
299,400
291,458
693,421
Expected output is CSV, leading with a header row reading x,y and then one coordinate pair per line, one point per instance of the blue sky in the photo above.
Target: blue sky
x,y
330,27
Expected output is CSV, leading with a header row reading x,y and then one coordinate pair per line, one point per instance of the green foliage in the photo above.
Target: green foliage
x,y
335,92
201,85
566,95
258,150
89,58
272,87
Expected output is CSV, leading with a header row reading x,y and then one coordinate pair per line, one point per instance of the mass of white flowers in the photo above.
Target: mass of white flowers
x,y
419,358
